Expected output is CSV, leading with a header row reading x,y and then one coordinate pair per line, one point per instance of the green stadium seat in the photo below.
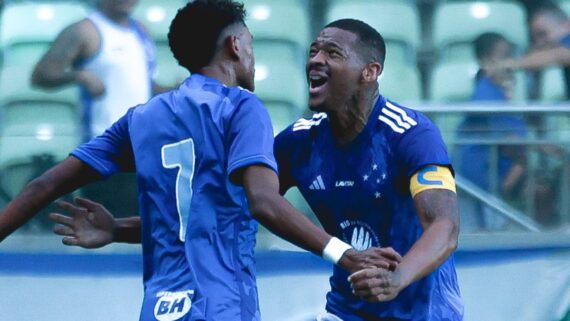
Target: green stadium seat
x,y
400,82
278,79
23,158
453,81
553,85
397,21
278,20
156,16
37,22
15,86
168,72
42,119
457,24
565,6
282,115
27,28
24,54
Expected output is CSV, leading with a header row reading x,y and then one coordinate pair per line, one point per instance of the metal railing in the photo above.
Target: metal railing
x,y
548,138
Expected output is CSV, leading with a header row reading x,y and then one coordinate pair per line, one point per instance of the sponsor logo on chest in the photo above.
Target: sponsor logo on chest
x,y
344,184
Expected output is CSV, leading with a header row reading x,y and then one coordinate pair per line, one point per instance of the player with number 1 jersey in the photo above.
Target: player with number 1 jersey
x,y
197,233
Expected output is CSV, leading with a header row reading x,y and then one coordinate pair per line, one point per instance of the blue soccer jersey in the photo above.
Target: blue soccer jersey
x,y
198,235
360,193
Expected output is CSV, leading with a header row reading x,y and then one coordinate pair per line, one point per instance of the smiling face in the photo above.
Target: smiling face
x,y
334,69
503,77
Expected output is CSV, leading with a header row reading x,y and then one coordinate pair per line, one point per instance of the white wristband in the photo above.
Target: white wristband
x,y
334,250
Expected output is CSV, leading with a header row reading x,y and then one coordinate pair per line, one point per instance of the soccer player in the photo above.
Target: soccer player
x,y
203,155
376,174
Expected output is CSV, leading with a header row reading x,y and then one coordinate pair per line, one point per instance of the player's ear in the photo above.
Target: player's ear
x,y
371,72
232,46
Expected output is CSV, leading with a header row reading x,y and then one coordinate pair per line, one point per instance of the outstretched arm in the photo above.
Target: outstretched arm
x,y
91,226
280,217
540,59
56,182
438,213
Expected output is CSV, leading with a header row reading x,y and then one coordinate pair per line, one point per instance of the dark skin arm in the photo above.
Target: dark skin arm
x,y
91,226
55,69
439,215
56,182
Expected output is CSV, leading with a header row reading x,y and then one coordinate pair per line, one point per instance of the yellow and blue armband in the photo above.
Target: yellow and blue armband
x,y
432,177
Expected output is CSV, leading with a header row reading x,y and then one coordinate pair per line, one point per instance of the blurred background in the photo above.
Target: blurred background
x,y
511,154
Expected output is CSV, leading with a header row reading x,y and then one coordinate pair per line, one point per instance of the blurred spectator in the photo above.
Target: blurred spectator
x,y
477,161
550,35
110,56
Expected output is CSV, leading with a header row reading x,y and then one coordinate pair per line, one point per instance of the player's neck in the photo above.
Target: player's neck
x,y
350,121
221,72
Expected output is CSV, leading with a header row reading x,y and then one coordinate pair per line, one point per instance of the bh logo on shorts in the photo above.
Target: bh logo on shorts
x,y
172,306
360,234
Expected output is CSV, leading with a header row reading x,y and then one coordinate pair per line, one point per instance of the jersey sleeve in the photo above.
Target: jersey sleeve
x,y
110,152
421,146
250,136
283,151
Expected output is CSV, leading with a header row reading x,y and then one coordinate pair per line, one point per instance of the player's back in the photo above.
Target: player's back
x,y
198,235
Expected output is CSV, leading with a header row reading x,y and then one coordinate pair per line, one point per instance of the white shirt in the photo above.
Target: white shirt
x,y
123,64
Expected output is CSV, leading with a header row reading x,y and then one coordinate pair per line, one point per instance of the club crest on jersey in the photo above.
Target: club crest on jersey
x,y
172,306
360,234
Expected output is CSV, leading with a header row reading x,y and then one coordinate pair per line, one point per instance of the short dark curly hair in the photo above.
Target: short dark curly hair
x,y
372,44
195,30
485,43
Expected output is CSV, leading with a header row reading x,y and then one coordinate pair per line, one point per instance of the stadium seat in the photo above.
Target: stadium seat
x,y
397,21
23,158
565,6
156,16
282,115
27,28
278,79
457,24
400,82
15,86
278,20
453,81
552,87
35,122
168,72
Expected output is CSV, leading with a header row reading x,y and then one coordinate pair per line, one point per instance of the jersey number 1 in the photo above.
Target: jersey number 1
x,y
181,155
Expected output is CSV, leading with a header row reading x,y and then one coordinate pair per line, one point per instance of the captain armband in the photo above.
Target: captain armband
x,y
432,177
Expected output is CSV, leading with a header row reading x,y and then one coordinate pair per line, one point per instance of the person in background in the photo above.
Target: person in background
x,y
112,59
479,162
203,155
550,36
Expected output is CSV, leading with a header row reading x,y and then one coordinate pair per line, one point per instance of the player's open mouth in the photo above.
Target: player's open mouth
x,y
316,82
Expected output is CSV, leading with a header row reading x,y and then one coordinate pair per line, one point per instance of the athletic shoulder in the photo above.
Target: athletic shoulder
x,y
401,120
414,138
400,123
301,129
